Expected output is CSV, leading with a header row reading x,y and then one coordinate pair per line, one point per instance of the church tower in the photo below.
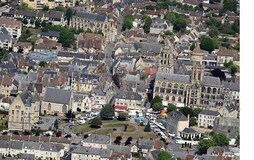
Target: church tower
x,y
166,60
197,66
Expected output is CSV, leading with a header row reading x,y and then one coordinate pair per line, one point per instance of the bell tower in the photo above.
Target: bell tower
x,y
197,66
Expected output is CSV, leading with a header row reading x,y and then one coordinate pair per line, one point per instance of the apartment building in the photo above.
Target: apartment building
x,y
13,26
24,111
206,118
39,4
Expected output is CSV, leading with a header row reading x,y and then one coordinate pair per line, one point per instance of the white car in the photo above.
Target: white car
x,y
81,121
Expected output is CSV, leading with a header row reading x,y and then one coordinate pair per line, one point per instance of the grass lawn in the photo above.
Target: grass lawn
x,y
83,128
3,120
133,129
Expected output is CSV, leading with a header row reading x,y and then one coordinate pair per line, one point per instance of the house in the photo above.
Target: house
x,y
82,102
5,39
230,111
142,63
94,22
132,100
51,4
56,17
190,133
48,45
207,117
118,152
45,56
82,152
24,111
33,149
56,101
159,25
6,85
13,26
24,47
227,126
52,35
176,122
145,146
96,141
234,90
225,55
90,42
84,82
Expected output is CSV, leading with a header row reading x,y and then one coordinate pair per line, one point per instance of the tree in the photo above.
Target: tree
x,y
147,25
218,73
220,139
236,26
128,141
45,8
122,116
4,54
213,32
171,107
56,124
157,107
234,68
187,111
88,30
193,121
37,23
128,21
118,140
204,144
196,111
156,99
43,64
43,23
178,21
107,112
32,21
208,44
125,127
69,115
69,14
192,46
147,128
67,38
230,5
24,21
96,122
164,155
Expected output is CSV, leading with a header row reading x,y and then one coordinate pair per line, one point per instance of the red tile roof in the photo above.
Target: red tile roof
x,y
150,70
121,107
7,81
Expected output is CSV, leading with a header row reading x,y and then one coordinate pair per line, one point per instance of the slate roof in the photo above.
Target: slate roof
x,y
16,145
231,108
149,49
55,95
177,116
173,77
100,139
210,112
128,95
31,145
24,156
51,147
104,153
27,98
212,81
84,77
145,144
189,130
4,35
51,34
91,16
232,86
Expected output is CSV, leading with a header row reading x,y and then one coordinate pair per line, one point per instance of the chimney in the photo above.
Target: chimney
x,y
188,119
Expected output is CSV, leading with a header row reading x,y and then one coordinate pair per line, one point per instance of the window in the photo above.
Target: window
x,y
49,106
173,98
179,99
12,112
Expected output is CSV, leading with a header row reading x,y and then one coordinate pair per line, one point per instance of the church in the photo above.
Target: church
x,y
194,90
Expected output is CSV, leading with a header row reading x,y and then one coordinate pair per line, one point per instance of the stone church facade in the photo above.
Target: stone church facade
x,y
194,90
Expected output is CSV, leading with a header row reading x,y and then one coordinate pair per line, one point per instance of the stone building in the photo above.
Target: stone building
x,y
194,90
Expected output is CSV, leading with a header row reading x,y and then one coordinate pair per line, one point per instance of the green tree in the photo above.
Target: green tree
x,y
147,25
234,68
43,64
178,21
43,23
187,111
236,26
88,30
147,128
69,115
204,144
69,14
208,44
213,32
220,139
24,21
128,21
156,99
37,23
213,22
100,32
32,21
192,46
56,124
196,111
230,5
122,116
3,55
67,38
96,122
164,155
107,112
157,106
193,121
171,107
45,8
